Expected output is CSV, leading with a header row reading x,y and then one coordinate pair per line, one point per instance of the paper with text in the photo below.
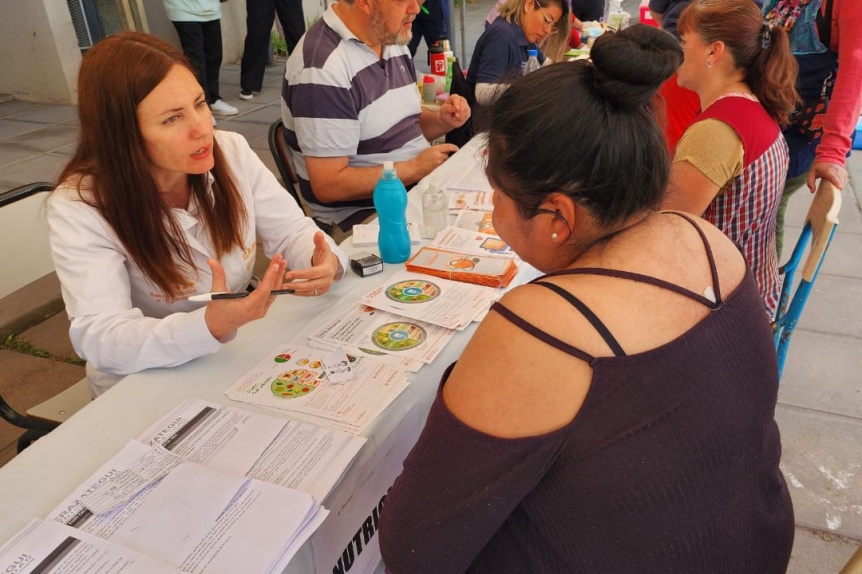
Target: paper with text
x,y
365,234
374,331
471,179
473,200
273,449
199,519
468,242
479,221
450,304
291,378
48,547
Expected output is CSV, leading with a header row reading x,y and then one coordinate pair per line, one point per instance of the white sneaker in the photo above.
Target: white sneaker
x,y
245,95
223,108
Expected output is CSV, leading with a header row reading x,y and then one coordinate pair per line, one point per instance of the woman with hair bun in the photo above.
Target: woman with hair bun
x,y
731,163
601,419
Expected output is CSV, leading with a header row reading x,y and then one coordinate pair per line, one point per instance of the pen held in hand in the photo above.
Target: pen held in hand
x,y
238,295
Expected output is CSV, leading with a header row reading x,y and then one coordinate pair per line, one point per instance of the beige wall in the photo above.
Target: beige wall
x,y
39,51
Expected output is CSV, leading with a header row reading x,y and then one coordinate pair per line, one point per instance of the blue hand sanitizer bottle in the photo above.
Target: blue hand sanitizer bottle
x,y
390,200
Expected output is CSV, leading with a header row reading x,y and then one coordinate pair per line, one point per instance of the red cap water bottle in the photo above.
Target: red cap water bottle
x,y
438,59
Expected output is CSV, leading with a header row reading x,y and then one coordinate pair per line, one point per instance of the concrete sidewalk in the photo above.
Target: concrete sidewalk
x,y
820,401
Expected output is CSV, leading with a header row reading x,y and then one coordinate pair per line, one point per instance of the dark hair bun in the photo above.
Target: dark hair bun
x,y
630,65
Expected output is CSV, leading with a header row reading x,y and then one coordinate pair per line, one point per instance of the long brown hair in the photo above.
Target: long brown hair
x,y
111,162
763,52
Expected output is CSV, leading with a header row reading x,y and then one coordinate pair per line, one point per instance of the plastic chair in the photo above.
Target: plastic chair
x,y
45,417
36,428
278,146
818,230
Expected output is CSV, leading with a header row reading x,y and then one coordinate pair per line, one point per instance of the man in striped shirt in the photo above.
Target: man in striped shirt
x,y
350,101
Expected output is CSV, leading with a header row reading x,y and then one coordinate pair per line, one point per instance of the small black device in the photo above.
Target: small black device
x,y
365,264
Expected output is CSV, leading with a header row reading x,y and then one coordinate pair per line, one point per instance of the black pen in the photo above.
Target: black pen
x,y
239,295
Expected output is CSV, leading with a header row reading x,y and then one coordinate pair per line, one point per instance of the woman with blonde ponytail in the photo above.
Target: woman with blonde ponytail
x,y
731,163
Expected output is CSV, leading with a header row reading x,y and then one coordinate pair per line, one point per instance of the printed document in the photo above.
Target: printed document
x,y
471,179
473,200
375,331
468,242
365,234
450,304
198,519
292,378
328,337
48,547
273,449
481,221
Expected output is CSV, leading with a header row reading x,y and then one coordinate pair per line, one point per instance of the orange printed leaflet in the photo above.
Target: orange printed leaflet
x,y
479,269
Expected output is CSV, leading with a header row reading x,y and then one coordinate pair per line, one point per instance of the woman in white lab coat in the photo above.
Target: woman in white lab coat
x,y
155,207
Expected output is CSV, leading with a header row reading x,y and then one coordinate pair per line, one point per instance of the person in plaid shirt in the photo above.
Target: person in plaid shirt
x,y
731,163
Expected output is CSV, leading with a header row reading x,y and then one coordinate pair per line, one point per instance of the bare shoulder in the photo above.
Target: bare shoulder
x,y
510,384
729,261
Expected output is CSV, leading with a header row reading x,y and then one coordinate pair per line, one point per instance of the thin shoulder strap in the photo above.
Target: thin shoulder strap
x,y
639,277
597,324
528,327
710,256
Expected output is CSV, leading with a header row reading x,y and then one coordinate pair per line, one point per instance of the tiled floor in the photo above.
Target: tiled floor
x,y
820,401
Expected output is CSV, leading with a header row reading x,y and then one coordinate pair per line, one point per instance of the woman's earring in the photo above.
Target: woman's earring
x,y
708,62
554,235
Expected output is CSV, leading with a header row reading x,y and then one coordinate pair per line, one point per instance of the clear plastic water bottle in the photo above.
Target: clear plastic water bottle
x,y
532,63
435,210
614,16
390,200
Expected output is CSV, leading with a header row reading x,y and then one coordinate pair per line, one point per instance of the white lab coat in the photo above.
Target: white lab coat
x,y
120,322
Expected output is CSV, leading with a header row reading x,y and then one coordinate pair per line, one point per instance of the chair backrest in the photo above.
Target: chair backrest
x,y
818,229
22,221
24,225
281,154
279,149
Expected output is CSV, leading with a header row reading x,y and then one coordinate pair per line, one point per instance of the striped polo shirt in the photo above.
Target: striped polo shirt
x,y
339,99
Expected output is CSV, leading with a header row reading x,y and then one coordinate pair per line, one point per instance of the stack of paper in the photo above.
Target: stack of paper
x,y
370,331
469,242
292,378
441,302
282,451
472,179
473,200
191,517
485,270
346,330
365,235
480,221
44,547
